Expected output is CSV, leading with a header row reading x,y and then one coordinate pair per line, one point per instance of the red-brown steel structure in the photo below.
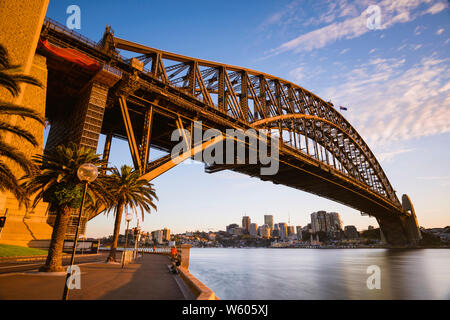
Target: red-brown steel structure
x,y
144,98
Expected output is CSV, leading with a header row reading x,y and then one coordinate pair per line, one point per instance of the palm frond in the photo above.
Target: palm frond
x,y
9,182
59,167
19,132
10,76
4,59
15,155
12,109
128,189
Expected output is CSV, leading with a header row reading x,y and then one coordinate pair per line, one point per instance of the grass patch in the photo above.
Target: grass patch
x,y
7,250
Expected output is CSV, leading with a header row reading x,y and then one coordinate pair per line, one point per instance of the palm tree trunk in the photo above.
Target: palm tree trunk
x,y
112,253
54,257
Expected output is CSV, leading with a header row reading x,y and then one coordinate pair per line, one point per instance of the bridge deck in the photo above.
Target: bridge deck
x,y
320,152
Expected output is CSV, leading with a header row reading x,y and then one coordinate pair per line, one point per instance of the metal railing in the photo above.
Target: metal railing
x,y
157,250
55,25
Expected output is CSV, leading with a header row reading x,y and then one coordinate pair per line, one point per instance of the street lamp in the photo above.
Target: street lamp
x,y
129,217
87,173
136,240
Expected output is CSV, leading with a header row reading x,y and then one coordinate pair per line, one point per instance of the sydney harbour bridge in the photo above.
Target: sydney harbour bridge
x,y
92,89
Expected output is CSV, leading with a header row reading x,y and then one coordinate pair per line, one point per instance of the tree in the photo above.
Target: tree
x,y
10,80
128,191
373,234
57,182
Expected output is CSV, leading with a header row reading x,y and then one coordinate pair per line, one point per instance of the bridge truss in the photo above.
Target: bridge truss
x,y
155,92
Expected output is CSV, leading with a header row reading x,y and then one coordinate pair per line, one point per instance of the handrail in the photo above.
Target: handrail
x,y
55,25
158,250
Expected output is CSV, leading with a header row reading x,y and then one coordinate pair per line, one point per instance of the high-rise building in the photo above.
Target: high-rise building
x,y
157,235
283,230
336,222
318,222
166,234
268,219
253,229
299,232
276,230
237,231
232,226
351,232
328,222
246,224
290,230
265,231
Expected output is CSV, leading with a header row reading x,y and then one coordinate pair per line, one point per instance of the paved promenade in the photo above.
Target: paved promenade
x,y
146,279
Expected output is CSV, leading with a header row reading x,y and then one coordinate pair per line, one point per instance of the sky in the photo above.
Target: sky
x,y
388,64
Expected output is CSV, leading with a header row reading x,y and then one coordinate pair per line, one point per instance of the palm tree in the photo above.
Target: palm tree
x,y
10,80
128,191
57,182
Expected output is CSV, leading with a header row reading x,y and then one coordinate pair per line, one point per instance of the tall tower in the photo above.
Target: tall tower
x,y
268,219
283,230
20,25
246,224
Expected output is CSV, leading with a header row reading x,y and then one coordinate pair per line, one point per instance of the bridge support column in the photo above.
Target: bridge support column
x,y
393,230
401,230
82,126
411,224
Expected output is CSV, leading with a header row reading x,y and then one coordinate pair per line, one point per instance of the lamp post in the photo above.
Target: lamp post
x,y
87,173
129,217
136,240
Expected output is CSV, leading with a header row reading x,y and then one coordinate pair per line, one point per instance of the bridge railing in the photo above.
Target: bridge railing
x,y
55,25
157,250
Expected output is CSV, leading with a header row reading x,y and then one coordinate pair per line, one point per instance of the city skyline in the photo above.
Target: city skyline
x,y
370,72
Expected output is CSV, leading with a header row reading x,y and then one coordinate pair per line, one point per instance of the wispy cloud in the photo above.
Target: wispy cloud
x,y
444,181
390,102
436,8
298,74
393,12
435,178
387,156
286,15
418,30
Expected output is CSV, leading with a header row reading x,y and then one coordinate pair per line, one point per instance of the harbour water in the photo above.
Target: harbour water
x,y
280,274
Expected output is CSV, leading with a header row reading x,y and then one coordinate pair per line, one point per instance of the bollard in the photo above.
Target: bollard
x,y
185,253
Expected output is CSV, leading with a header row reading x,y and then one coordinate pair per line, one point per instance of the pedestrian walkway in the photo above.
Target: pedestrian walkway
x,y
146,279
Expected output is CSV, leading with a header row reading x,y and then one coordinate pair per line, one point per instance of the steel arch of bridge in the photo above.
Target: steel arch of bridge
x,y
156,92
262,100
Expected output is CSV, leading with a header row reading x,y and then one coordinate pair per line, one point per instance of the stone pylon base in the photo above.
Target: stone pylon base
x,y
22,227
20,25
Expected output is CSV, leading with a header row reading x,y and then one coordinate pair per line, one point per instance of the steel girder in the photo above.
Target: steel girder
x,y
320,153
256,98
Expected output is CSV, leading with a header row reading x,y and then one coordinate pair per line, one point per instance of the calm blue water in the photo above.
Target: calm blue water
x,y
275,274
